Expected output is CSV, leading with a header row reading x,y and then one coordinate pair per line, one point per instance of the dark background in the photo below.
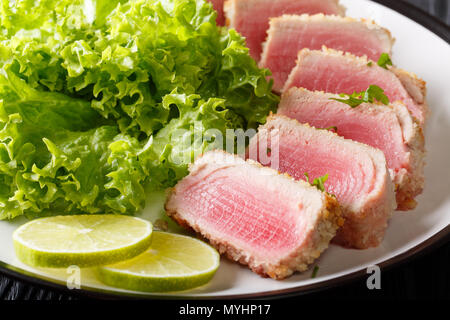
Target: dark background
x,y
425,276
438,8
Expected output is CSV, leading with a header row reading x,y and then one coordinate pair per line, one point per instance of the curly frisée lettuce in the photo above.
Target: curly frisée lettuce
x,y
57,154
100,100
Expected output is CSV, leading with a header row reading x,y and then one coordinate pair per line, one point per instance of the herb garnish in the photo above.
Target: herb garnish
x,y
317,182
384,60
161,224
329,128
369,64
314,273
370,95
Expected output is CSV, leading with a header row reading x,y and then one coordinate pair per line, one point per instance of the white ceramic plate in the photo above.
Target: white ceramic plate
x,y
416,49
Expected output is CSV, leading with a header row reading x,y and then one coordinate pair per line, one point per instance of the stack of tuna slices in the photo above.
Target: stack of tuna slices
x,y
266,216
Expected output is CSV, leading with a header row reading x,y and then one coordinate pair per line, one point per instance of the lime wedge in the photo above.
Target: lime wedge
x,y
81,240
173,263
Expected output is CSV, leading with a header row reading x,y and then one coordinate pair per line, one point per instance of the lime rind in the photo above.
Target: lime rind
x,y
145,282
134,282
36,257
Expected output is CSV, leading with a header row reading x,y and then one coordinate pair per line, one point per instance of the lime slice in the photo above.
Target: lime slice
x,y
173,263
81,240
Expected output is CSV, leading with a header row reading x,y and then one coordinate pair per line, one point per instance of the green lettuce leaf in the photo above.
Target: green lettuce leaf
x,y
140,52
94,95
60,156
200,126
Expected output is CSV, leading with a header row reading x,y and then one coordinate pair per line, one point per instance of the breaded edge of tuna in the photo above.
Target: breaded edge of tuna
x,y
412,84
408,182
370,24
365,224
229,9
328,222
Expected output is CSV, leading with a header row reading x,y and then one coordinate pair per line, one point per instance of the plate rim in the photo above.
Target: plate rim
x,y
431,244
440,238
420,16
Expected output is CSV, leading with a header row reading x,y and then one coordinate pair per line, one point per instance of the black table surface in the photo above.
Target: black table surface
x,y
426,276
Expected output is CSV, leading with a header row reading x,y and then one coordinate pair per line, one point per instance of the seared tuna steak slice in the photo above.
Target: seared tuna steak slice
x,y
289,34
256,216
218,6
357,174
388,128
251,17
335,72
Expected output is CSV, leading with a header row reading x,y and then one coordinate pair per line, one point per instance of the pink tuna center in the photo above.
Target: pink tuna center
x,y
253,19
259,220
286,43
348,177
383,133
338,76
